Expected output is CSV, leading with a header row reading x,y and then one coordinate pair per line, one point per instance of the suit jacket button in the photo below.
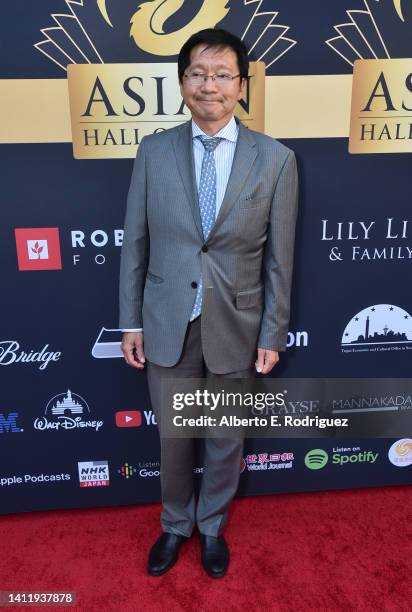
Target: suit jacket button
x,y
205,248
194,284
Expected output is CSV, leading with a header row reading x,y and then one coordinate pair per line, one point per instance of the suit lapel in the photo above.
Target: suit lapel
x,y
245,155
183,148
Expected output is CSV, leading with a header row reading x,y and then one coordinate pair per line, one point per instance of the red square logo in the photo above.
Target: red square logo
x,y
38,248
128,418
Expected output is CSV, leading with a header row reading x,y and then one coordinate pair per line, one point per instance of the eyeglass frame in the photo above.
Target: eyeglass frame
x,y
213,77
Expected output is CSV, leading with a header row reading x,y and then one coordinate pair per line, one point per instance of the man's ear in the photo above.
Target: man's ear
x,y
242,88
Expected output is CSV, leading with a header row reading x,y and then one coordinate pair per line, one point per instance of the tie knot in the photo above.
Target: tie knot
x,y
209,144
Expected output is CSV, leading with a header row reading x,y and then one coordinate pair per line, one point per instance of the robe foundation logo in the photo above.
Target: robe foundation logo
x,y
378,328
38,248
115,101
381,115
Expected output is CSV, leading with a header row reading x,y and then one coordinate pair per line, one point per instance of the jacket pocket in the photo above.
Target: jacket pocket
x,y
153,277
249,298
254,202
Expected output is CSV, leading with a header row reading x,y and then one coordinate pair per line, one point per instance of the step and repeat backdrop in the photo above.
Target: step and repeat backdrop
x,y
82,81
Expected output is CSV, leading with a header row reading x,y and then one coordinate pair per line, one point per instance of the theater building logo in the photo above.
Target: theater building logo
x,y
377,42
382,327
113,102
67,411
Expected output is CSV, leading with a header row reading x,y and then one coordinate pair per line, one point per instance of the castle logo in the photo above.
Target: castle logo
x,y
67,411
382,327
377,43
115,101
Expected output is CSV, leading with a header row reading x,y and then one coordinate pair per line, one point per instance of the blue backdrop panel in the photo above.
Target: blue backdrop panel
x,y
63,312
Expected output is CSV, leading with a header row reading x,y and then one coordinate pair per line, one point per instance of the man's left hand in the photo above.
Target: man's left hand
x,y
266,360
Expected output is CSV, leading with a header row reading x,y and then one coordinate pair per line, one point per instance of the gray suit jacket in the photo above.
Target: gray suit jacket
x,y
246,263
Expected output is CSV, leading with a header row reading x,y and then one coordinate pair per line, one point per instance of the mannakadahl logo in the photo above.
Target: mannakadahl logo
x,y
113,105
317,458
381,116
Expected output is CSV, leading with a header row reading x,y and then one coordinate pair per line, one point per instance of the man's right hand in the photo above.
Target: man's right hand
x,y
132,349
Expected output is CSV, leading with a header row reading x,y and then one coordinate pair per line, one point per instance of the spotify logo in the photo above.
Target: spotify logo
x,y
316,459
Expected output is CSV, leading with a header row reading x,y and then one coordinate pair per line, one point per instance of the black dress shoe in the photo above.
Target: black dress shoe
x,y
215,555
164,553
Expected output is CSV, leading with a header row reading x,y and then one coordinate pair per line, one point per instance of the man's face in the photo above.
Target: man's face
x,y
212,101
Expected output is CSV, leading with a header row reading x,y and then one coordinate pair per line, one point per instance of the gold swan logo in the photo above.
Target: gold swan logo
x,y
148,21
398,7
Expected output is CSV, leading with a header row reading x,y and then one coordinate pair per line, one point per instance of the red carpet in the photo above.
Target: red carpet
x,y
330,551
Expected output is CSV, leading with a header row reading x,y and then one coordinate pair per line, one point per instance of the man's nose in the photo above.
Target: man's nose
x,y
208,85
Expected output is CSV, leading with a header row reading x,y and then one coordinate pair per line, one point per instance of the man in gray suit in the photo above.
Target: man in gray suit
x,y
206,270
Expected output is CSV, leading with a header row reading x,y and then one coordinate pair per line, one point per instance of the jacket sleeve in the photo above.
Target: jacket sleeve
x,y
135,247
278,259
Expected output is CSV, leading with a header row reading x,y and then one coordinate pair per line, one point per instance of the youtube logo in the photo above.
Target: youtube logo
x,y
128,418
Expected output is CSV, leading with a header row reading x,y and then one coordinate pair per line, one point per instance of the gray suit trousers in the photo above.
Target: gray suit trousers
x,y
222,456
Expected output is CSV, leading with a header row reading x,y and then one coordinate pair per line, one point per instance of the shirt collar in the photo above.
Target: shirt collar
x,y
228,132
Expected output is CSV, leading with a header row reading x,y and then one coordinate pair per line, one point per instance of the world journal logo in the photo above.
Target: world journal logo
x,y
258,462
400,452
115,101
316,459
376,41
93,473
67,411
8,422
378,328
38,248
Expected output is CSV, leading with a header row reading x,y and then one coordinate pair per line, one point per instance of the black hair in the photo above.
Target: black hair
x,y
214,37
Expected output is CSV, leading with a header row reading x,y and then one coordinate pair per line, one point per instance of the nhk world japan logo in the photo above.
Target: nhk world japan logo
x,y
317,458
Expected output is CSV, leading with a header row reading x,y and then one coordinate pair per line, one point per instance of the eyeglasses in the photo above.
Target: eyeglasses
x,y
196,78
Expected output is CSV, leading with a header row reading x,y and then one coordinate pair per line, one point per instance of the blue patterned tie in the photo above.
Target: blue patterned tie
x,y
207,204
